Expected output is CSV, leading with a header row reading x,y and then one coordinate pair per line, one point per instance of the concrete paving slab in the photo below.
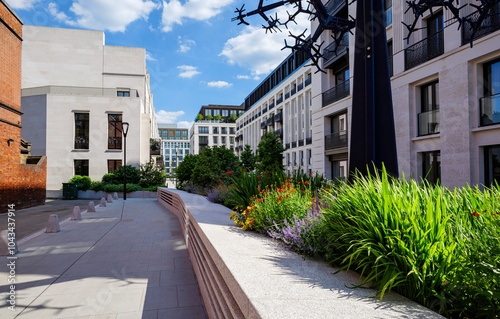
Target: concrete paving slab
x,y
108,265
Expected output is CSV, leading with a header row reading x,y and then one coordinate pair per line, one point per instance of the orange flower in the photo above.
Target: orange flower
x,y
307,183
288,180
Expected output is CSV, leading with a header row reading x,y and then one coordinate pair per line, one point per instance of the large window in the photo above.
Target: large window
x,y
178,132
387,12
203,139
185,132
492,164
215,130
203,130
431,166
428,118
114,131
225,113
113,165
490,103
82,167
231,130
216,141
82,131
339,170
223,130
223,140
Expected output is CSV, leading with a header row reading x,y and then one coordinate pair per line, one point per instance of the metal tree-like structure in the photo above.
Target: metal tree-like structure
x,y
373,138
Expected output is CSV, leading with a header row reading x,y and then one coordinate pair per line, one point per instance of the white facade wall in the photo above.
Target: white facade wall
x,y
194,135
295,128
67,71
461,140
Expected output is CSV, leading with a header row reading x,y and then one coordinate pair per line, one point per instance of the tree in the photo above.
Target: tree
x,y
199,117
270,153
151,175
215,165
233,118
218,117
248,158
185,169
210,117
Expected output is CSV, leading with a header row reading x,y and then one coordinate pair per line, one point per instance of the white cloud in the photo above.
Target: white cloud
x,y
260,52
188,71
174,12
185,124
105,14
185,44
219,84
168,117
149,57
22,4
240,77
256,78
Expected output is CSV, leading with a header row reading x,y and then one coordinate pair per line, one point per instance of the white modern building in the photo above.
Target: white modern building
x,y
174,145
282,104
216,127
76,92
446,97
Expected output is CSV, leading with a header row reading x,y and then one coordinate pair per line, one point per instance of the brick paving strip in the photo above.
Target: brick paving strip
x,y
127,260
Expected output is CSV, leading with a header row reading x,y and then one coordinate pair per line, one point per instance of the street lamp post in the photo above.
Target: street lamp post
x,y
125,131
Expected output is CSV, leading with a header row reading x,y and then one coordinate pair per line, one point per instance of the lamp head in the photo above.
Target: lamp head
x,y
125,128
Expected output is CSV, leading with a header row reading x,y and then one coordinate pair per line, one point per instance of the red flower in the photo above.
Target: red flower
x,y
286,175
258,187
475,214
266,173
288,180
229,172
310,174
306,183
244,170
484,211
282,183
220,180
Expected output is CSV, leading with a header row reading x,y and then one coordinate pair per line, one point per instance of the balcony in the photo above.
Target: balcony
x,y
301,143
279,132
287,146
308,81
490,110
114,143
336,93
428,123
263,124
264,110
82,143
278,117
294,90
333,52
336,140
287,95
270,121
425,50
489,25
309,140
333,5
300,87
278,101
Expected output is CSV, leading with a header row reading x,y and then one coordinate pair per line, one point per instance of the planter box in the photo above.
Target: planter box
x,y
100,194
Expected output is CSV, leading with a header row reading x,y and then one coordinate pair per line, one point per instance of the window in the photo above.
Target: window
x,y
167,152
178,138
216,112
223,130
180,158
123,93
114,131
167,164
339,169
180,151
216,130
216,140
184,132
82,167
225,113
428,119
492,164
287,159
233,112
208,112
203,130
294,156
159,132
178,132
165,132
231,140
387,12
167,157
174,158
431,166
165,137
113,165
490,103
172,138
184,138
82,131
167,170
203,139
186,152
223,140
231,130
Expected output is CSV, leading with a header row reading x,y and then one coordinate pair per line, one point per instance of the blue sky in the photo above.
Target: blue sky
x,y
195,54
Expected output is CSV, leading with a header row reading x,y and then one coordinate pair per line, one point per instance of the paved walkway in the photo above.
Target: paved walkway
x,y
127,260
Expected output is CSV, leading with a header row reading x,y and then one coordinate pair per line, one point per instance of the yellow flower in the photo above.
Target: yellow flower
x,y
232,215
245,227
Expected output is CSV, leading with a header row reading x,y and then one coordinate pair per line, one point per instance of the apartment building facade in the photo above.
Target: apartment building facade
x,y
76,93
215,126
445,96
281,104
174,145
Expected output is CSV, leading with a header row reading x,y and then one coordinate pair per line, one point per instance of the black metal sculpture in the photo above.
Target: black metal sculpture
x,y
373,138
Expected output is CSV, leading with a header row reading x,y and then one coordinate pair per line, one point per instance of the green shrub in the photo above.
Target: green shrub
x,y
185,170
108,178
151,175
111,188
96,186
215,165
83,182
133,176
270,154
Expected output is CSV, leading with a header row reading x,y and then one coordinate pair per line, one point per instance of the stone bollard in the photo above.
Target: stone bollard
x,y
103,202
76,213
109,199
115,195
91,208
7,247
53,224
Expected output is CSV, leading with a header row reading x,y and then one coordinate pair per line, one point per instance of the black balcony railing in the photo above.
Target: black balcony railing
x,y
279,132
114,143
336,140
333,5
263,124
264,110
270,121
425,50
489,25
294,144
278,101
309,140
294,90
300,86
334,50
391,66
81,142
278,117
287,146
301,142
336,93
490,110
287,95
308,81
428,123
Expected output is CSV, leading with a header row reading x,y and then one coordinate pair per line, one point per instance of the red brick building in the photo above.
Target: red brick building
x,y
22,178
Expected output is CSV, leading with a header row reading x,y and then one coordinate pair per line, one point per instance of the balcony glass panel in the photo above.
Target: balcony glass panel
x,y
428,123
490,110
336,140
336,93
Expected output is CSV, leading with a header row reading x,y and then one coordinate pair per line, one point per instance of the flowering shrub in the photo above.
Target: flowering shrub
x,y
221,194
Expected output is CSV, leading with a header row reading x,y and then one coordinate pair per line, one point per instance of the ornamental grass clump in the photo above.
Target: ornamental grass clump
x,y
422,241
